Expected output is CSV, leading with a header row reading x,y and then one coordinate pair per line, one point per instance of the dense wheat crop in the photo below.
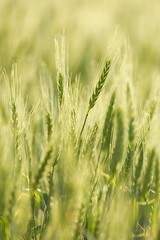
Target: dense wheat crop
x,y
79,120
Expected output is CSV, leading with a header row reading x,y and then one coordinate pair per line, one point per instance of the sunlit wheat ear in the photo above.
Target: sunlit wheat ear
x,y
96,92
146,122
142,134
60,86
148,173
14,116
131,114
73,134
91,140
16,135
131,134
99,85
28,157
17,165
49,126
14,94
128,161
138,169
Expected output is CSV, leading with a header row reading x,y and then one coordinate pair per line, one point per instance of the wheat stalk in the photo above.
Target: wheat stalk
x,y
95,96
119,145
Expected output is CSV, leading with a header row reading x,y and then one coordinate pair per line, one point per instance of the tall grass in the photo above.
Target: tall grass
x,y
72,173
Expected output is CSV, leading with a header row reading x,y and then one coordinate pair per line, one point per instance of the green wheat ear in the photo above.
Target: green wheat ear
x,y
94,98
138,168
131,115
49,126
60,83
97,91
132,146
148,173
99,85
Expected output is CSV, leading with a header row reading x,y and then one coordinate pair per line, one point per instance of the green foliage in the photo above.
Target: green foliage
x,y
71,173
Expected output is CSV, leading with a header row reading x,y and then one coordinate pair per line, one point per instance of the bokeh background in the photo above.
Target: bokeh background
x,y
28,29
128,32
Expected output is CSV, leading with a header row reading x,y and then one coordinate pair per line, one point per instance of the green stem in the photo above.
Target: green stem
x,y
80,135
135,213
84,123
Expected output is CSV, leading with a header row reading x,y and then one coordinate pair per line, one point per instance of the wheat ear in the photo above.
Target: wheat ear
x,y
96,93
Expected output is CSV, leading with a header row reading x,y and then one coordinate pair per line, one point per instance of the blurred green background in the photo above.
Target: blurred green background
x,y
127,31
28,29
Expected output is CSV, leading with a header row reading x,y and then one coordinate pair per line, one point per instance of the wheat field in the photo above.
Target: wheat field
x,y
79,120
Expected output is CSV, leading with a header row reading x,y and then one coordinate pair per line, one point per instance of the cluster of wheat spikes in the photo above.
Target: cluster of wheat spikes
x,y
72,170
